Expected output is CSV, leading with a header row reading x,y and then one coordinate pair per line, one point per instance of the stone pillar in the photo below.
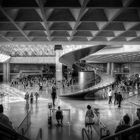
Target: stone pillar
x,y
108,68
58,50
112,69
6,72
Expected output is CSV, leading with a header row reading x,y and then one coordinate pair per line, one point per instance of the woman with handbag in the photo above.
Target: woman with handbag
x,y
89,117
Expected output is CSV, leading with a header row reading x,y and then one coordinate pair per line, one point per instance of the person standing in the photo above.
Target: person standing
x,y
26,97
119,99
115,98
89,117
53,94
31,98
36,96
59,117
110,96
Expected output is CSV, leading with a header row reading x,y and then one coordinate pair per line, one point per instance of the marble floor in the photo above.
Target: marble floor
x,y
110,115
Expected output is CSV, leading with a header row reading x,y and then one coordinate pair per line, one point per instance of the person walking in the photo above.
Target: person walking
x,y
119,99
110,96
53,94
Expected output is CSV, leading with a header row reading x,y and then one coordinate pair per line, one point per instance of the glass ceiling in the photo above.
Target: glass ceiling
x,y
27,50
35,49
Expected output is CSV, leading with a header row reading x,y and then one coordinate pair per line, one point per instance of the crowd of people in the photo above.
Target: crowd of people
x,y
42,83
123,124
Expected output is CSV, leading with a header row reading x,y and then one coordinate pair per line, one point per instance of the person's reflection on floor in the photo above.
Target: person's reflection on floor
x,y
27,106
36,108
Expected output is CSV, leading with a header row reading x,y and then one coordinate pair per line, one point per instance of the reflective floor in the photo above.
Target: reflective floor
x,y
110,115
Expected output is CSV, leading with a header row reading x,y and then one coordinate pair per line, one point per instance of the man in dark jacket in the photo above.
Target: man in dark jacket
x,y
53,94
119,99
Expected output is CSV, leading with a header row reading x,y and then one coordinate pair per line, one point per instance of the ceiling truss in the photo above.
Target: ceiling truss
x,y
70,21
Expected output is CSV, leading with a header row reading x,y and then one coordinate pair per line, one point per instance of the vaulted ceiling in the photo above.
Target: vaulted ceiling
x,y
70,21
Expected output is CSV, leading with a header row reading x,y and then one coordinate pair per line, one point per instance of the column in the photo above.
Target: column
x,y
108,68
85,79
112,69
6,72
58,50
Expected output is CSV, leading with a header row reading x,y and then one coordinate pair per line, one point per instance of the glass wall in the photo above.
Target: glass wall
x,y
48,70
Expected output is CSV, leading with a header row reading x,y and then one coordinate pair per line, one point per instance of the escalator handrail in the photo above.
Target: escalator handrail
x,y
6,131
85,132
133,130
39,134
27,119
27,115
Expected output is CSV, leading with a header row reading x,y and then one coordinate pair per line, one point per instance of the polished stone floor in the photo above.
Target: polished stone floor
x,y
110,115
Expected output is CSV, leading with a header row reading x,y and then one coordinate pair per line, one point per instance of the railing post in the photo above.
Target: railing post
x,y
22,131
100,133
40,135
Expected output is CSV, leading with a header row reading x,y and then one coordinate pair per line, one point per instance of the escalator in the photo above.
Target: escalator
x,y
9,134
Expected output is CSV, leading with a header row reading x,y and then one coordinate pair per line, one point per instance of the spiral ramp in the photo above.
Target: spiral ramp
x,y
105,79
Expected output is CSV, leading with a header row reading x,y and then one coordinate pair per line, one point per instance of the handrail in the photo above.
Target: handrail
x,y
132,131
10,133
39,135
85,132
27,121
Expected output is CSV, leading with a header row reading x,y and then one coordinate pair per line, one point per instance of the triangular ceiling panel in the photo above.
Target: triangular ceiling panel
x,y
94,15
129,34
19,3
3,18
114,26
37,33
60,26
76,38
99,38
7,26
119,39
136,27
62,3
33,26
75,12
106,34
128,15
61,15
28,15
59,39
60,33
105,3
87,26
83,33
